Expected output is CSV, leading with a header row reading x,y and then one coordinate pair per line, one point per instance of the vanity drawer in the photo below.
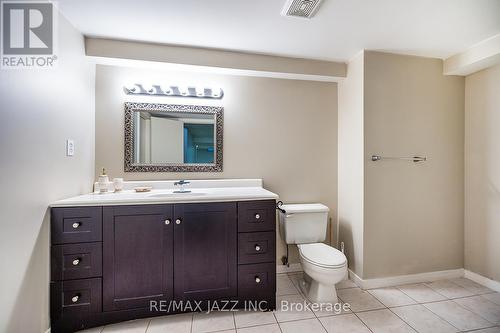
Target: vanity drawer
x,y
75,299
257,216
76,225
256,247
257,281
76,261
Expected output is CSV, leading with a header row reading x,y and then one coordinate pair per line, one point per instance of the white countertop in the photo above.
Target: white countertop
x,y
162,192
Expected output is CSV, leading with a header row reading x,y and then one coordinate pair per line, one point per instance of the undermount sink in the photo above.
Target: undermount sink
x,y
173,194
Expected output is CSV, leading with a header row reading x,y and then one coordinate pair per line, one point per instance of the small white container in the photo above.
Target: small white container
x,y
118,184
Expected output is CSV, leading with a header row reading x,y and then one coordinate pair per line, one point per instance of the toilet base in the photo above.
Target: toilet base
x,y
317,292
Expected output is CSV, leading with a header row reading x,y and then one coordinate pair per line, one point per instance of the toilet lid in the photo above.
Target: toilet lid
x,y
322,255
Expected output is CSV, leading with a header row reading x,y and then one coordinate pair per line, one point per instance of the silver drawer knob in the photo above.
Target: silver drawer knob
x,y
257,216
167,221
257,279
76,225
178,221
257,248
75,298
76,262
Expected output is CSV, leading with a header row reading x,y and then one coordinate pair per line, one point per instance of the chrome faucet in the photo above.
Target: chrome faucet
x,y
181,189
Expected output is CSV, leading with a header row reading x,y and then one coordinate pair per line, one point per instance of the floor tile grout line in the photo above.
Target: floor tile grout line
x,y
234,320
147,326
418,302
372,310
378,299
293,284
480,329
358,316
288,321
375,309
257,325
407,323
302,319
275,318
491,300
321,323
317,318
480,285
423,304
448,320
361,320
478,314
429,282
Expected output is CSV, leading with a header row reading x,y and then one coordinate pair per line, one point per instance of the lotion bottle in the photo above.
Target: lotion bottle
x,y
103,182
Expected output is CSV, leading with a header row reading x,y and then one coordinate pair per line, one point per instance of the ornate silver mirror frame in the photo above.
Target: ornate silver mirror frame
x,y
130,166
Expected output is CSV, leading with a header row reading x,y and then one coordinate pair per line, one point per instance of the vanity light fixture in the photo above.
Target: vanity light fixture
x,y
175,91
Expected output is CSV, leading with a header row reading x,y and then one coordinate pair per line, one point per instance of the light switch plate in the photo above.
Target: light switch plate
x,y
70,147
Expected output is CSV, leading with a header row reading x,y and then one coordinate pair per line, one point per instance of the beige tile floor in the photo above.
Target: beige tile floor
x,y
446,306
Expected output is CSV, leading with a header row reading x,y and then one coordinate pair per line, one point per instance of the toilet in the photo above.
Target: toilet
x,y
324,266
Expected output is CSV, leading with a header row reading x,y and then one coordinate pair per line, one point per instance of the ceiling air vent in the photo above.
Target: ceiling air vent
x,y
301,8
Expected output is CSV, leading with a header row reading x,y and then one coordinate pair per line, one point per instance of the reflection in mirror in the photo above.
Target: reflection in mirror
x,y
165,138
173,138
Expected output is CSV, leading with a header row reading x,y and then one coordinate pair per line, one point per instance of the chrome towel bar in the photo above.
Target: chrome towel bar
x,y
415,159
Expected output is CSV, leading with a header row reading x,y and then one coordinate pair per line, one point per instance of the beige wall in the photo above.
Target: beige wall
x,y
350,170
403,218
40,109
283,131
413,212
482,173
216,61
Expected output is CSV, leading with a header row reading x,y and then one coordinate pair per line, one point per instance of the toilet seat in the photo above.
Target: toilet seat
x,y
322,255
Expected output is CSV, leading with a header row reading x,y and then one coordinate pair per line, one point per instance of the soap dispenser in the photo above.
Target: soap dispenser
x,y
103,182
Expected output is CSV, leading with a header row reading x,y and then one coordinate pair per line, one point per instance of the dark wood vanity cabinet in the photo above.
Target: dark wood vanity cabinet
x,y
205,251
138,256
109,263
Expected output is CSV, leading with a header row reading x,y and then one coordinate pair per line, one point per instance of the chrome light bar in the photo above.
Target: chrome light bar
x,y
174,91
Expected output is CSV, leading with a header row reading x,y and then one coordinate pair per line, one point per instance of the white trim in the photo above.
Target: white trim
x,y
405,279
288,269
48,330
478,57
355,278
492,284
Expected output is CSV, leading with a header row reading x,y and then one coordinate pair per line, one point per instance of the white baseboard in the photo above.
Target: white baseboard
x,y
288,269
355,278
405,279
48,330
489,283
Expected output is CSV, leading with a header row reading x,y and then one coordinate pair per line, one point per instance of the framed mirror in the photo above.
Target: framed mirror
x,y
173,138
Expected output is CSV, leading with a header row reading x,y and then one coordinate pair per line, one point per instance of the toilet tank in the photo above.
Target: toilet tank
x,y
303,223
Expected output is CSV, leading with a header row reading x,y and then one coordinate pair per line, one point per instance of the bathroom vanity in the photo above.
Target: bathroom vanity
x,y
122,256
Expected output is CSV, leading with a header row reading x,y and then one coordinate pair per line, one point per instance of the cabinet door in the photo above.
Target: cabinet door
x,y
137,256
205,251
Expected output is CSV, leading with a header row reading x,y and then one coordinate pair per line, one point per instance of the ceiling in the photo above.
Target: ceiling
x,y
340,29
